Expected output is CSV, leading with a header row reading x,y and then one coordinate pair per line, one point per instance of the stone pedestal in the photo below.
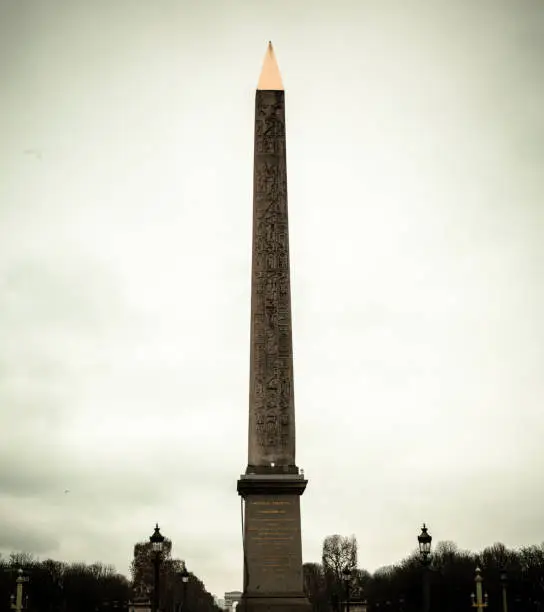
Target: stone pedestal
x,y
273,578
281,603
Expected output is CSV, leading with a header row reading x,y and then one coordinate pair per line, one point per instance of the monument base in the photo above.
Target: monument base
x,y
273,579
283,603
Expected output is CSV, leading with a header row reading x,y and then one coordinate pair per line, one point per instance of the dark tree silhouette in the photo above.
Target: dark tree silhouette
x,y
54,586
397,588
315,586
171,586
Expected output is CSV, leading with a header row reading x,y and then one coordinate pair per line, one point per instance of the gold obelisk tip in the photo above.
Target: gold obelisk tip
x,y
270,78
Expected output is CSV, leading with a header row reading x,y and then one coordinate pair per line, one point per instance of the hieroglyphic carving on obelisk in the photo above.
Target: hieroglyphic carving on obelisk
x,y
271,394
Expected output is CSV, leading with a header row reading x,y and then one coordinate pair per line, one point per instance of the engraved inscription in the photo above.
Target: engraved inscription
x,y
272,398
273,530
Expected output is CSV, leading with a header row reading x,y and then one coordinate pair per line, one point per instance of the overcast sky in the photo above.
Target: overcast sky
x,y
415,144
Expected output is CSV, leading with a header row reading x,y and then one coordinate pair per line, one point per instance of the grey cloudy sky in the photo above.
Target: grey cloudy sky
x,y
415,158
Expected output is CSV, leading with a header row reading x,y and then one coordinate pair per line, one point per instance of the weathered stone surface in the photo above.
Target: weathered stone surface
x,y
273,579
272,532
294,603
271,394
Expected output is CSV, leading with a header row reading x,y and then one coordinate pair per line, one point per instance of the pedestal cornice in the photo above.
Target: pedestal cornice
x,y
271,484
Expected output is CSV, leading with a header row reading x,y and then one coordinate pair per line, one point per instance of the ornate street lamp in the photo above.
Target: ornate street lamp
x,y
346,577
479,601
424,540
504,581
157,541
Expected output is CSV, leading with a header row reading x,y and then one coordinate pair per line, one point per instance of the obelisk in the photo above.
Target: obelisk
x,y
272,485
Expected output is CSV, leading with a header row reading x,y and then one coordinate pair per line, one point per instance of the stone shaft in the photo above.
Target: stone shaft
x,y
271,394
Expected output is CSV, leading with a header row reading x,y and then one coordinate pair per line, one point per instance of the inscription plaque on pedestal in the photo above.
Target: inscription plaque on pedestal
x,y
273,526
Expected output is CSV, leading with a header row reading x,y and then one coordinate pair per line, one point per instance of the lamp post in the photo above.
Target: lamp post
x,y
504,580
184,581
424,540
157,540
346,577
17,600
479,601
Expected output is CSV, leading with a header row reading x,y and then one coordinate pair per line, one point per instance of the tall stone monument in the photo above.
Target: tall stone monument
x,y
272,485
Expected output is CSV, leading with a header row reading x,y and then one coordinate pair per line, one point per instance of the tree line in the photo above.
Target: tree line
x,y
398,587
57,586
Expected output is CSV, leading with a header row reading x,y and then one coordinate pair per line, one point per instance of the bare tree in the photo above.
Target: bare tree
x,y
339,552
